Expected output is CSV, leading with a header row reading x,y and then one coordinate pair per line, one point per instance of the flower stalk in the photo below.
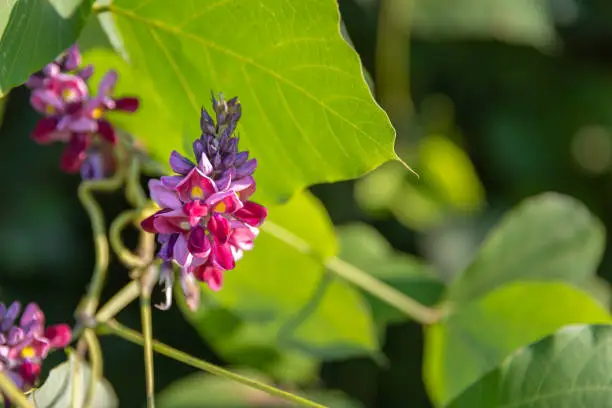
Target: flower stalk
x,y
133,336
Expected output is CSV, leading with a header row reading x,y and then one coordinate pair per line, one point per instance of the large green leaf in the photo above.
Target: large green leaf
x,y
566,370
33,33
308,115
467,344
207,391
548,237
282,288
362,246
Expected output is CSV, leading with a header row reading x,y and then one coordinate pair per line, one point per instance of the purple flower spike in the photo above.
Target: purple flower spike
x,y
24,345
71,114
206,220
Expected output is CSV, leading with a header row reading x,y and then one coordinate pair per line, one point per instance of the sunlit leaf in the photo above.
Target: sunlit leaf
x,y
472,341
566,370
308,115
33,33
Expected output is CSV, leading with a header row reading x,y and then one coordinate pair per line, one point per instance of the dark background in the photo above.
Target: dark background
x,y
531,118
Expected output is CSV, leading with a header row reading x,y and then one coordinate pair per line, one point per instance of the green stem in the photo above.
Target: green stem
x,y
100,8
118,302
96,363
13,393
359,278
89,304
133,190
145,316
130,335
126,256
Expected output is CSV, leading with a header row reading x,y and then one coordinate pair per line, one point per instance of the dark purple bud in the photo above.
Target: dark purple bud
x,y
10,316
180,164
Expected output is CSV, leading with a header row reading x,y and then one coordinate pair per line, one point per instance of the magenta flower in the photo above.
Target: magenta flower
x,y
206,220
71,115
25,345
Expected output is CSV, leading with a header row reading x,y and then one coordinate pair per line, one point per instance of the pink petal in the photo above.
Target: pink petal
x,y
59,335
181,252
195,185
252,214
106,130
163,196
75,153
195,210
219,227
199,244
170,222
127,104
222,256
211,275
43,133
224,202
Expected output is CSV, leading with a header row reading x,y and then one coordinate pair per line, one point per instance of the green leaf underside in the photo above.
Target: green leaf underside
x,y
566,370
57,390
33,33
308,116
469,343
362,246
285,296
547,237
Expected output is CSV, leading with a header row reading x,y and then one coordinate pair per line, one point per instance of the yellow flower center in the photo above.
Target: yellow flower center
x,y
68,95
28,352
50,109
220,208
97,113
197,192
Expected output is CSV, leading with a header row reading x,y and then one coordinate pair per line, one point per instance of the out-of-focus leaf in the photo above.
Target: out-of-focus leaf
x,y
472,341
287,294
547,237
449,172
57,390
528,22
207,391
308,115
448,185
363,246
566,370
33,33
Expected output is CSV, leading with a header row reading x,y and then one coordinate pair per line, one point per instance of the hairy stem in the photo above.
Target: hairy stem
x,y
14,394
359,278
133,336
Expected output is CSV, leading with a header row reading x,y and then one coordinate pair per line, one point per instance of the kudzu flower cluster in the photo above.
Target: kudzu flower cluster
x,y
72,115
206,219
24,345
